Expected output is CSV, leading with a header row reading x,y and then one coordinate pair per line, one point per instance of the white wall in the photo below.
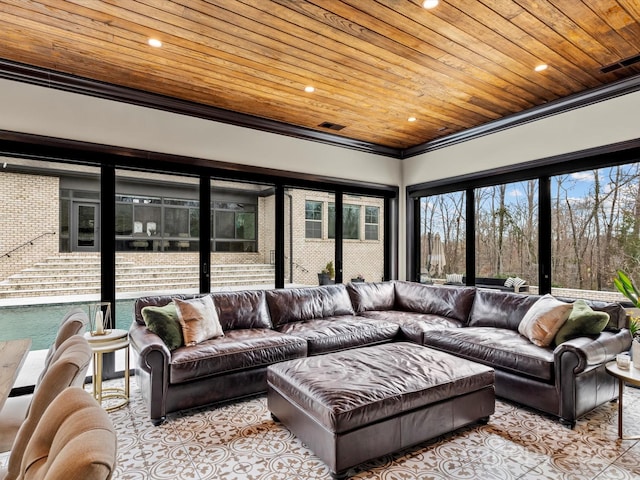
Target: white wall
x,y
44,111
602,123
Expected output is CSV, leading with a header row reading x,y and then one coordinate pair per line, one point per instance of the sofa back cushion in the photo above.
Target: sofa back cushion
x,y
493,308
371,296
242,309
451,302
236,310
298,304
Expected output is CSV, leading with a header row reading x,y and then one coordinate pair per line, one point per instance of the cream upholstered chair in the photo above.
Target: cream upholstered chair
x,y
15,409
74,439
68,367
73,323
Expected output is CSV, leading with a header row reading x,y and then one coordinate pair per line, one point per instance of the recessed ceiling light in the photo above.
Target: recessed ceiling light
x,y
309,89
542,67
411,119
154,42
430,3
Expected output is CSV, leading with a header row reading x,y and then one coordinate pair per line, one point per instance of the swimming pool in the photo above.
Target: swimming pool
x,y
40,322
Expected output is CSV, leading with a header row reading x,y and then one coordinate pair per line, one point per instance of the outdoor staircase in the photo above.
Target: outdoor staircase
x,y
65,275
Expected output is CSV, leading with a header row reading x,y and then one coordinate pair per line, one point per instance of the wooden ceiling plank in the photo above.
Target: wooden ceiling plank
x,y
450,120
620,19
413,36
597,28
546,45
566,28
84,59
346,63
437,72
347,100
461,28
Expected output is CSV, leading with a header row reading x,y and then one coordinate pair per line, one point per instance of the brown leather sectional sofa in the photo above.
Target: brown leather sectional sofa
x,y
263,327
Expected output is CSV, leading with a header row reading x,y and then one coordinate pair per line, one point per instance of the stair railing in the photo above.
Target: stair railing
x,y
28,242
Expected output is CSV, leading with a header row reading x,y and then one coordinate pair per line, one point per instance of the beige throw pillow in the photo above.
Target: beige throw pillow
x,y
543,320
198,319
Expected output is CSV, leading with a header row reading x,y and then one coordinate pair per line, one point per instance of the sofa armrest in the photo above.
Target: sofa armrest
x,y
152,370
588,351
145,343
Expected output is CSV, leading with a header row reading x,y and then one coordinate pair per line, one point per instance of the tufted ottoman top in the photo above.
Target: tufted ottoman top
x,y
352,388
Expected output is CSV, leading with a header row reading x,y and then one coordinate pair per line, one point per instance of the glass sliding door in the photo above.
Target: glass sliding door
x,y
363,234
157,228
507,232
442,237
242,235
595,220
49,250
309,237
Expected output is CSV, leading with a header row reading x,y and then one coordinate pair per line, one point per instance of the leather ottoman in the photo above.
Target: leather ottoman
x,y
355,405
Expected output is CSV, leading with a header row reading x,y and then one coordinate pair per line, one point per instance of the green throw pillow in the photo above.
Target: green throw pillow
x,y
163,321
583,320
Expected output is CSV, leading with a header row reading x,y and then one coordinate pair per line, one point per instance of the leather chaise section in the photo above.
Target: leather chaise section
x,y
498,347
237,350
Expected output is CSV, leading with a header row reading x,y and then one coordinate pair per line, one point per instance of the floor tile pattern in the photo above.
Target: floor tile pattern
x,y
240,441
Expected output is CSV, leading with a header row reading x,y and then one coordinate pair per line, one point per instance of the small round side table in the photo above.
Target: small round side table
x,y
112,341
630,376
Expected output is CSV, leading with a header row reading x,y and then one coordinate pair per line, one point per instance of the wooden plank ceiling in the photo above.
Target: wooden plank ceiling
x,y
373,63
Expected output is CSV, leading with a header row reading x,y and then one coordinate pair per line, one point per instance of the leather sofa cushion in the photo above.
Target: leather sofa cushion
x,y
493,308
413,326
500,348
298,304
244,309
337,333
236,310
353,388
237,350
451,302
371,296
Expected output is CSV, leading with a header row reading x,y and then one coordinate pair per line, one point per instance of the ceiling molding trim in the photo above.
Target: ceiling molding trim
x,y
572,102
20,72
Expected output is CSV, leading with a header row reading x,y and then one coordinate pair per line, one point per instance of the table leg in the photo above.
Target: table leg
x,y
620,396
126,372
98,377
620,409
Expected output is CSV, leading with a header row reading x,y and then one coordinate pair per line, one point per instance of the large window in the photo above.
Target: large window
x,y
234,227
564,227
363,250
596,226
507,231
442,236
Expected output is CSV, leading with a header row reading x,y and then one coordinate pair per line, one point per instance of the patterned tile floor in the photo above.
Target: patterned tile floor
x,y
240,441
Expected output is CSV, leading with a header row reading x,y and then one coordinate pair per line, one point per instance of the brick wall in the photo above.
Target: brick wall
x,y
29,208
